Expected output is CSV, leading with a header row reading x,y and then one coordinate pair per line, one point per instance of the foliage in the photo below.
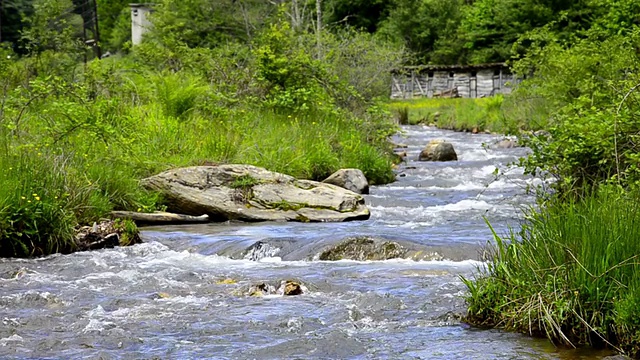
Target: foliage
x,y
423,25
360,14
207,24
14,14
594,117
570,274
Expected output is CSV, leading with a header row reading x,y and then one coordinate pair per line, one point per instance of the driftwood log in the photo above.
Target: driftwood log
x,y
159,217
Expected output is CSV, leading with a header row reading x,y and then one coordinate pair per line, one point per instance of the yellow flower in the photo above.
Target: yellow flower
x,y
23,198
34,194
37,198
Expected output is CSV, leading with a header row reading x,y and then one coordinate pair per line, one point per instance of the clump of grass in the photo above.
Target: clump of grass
x,y
571,274
244,182
403,115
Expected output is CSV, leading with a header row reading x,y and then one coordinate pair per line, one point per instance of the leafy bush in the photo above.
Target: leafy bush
x,y
594,116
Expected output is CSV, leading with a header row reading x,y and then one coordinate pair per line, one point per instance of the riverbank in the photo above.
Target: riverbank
x,y
497,114
76,139
571,274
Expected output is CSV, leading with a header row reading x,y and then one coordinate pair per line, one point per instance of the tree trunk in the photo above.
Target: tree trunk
x,y
319,27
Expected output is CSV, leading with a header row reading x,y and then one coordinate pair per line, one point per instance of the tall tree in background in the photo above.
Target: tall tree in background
x,y
422,24
13,13
360,14
199,23
109,12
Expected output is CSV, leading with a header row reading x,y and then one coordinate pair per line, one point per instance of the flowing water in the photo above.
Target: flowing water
x,y
185,292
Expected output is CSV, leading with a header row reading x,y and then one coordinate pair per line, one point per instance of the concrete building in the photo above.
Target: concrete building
x,y
469,81
139,21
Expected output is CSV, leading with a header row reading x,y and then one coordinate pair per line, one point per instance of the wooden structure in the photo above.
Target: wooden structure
x,y
468,81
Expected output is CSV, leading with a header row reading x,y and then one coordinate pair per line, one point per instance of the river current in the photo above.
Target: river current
x,y
185,292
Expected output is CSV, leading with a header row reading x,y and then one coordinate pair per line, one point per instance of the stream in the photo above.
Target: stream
x,y
185,292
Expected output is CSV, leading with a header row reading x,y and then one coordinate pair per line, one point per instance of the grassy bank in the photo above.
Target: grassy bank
x,y
572,274
498,114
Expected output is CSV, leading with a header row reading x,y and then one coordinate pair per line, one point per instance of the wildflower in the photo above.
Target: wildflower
x,y
23,198
34,194
37,198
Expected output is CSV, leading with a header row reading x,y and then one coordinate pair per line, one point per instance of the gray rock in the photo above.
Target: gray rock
x,y
438,150
250,193
350,179
505,144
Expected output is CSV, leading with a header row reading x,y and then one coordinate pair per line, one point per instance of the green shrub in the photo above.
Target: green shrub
x,y
590,89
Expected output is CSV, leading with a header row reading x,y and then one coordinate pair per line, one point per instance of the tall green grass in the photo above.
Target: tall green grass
x,y
571,274
74,149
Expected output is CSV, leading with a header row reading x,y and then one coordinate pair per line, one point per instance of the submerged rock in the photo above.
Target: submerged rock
x,y
363,248
291,287
286,288
438,150
250,193
262,289
505,144
350,179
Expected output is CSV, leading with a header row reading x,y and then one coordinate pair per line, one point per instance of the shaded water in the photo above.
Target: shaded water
x,y
184,293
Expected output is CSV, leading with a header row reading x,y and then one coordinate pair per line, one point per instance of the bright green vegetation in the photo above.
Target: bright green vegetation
x,y
492,114
571,274
75,138
479,31
244,182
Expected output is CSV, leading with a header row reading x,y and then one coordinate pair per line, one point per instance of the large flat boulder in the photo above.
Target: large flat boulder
x,y
250,193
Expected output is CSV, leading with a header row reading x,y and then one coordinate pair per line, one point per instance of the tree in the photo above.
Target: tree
x,y
199,23
422,24
361,14
12,20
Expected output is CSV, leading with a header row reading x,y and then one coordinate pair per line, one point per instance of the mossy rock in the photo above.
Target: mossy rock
x,y
364,248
